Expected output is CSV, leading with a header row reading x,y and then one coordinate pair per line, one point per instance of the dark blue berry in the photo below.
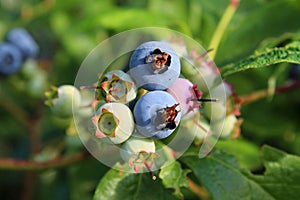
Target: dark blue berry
x,y
156,114
294,72
23,40
154,65
10,58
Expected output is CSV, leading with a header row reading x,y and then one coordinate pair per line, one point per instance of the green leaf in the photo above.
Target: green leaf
x,y
220,174
82,179
280,41
173,176
289,53
121,185
246,152
282,174
253,22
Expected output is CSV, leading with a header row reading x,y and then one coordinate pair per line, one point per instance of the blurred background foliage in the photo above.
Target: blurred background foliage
x,y
67,31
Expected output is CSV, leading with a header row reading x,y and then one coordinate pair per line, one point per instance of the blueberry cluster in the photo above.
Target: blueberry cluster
x,y
149,100
18,46
133,109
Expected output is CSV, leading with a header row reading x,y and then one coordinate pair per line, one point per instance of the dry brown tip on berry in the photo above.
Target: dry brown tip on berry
x,y
160,60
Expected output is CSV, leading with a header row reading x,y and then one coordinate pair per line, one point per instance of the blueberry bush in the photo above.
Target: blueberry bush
x,y
232,95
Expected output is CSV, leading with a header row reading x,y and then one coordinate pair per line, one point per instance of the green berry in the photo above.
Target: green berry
x,y
63,100
198,127
139,153
36,78
215,111
226,127
116,86
113,123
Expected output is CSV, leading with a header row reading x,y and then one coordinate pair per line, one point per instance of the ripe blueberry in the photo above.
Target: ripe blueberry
x,y
23,40
156,114
154,65
294,72
10,58
113,122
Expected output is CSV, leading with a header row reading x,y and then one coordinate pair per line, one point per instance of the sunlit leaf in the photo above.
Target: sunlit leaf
x,y
121,185
253,22
246,152
289,53
173,176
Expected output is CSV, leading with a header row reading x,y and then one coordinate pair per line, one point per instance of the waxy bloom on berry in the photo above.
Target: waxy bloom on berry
x,y
154,65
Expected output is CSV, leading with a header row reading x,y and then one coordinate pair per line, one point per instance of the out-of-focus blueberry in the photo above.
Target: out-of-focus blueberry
x,y
10,58
23,40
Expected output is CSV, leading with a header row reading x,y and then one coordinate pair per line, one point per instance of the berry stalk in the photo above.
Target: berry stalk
x,y
260,94
30,165
223,23
199,191
12,108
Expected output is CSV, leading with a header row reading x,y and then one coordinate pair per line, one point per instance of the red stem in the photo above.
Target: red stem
x,y
260,94
288,87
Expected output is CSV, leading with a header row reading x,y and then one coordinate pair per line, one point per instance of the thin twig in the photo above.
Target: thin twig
x,y
29,165
260,94
34,139
28,186
199,191
223,24
17,112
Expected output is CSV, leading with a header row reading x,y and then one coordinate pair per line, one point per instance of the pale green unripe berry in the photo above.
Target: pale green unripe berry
x,y
63,100
215,111
135,146
226,127
139,153
113,123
